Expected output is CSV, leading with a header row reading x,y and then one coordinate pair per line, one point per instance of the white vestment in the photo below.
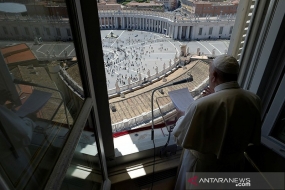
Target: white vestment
x,y
216,130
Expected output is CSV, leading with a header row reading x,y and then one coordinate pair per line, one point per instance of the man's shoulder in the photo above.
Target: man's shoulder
x,y
224,95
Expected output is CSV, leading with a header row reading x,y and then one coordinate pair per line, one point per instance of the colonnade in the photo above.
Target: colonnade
x,y
162,26
177,28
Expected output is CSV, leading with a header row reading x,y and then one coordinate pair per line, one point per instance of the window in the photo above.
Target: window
x,y
27,31
32,142
279,128
16,31
58,33
231,30
200,31
5,30
37,31
68,32
84,110
221,30
47,31
210,30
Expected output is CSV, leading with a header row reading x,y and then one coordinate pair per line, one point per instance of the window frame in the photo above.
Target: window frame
x,y
84,29
262,77
93,93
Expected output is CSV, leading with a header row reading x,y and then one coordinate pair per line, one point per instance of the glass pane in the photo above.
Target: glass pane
x,y
279,128
84,171
40,89
146,47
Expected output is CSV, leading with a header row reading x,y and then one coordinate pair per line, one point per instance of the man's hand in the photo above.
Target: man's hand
x,y
207,91
179,114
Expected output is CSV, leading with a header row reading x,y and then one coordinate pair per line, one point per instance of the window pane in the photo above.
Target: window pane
x,y
200,31
27,31
231,29
279,128
210,30
84,171
39,108
221,30
142,51
5,30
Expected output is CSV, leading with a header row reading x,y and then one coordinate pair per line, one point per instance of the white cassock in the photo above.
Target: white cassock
x,y
216,130
19,131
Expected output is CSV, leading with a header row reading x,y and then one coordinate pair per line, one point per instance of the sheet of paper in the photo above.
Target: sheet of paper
x,y
34,103
181,98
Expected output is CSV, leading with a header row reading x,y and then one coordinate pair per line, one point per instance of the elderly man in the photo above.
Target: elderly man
x,y
217,128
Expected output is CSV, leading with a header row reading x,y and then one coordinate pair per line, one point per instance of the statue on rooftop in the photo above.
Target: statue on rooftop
x,y
156,70
117,87
129,82
148,74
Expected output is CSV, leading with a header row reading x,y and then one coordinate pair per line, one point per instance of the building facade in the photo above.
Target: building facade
x,y
189,28
211,8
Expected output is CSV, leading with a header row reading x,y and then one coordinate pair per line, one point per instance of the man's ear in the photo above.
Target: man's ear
x,y
215,76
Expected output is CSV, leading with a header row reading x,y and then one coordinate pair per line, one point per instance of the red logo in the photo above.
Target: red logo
x,y
193,180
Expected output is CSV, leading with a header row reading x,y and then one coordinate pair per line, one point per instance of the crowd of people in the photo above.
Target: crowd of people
x,y
127,61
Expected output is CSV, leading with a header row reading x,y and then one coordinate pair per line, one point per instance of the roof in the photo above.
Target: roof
x,y
12,8
14,49
19,57
17,53
151,3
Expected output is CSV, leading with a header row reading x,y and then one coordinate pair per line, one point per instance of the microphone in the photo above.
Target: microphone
x,y
190,79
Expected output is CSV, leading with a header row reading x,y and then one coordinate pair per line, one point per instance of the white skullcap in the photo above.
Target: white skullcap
x,y
227,64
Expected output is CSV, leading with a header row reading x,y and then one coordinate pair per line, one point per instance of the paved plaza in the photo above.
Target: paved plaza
x,y
131,56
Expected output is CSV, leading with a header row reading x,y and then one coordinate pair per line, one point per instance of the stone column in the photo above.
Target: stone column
x,y
166,27
148,23
175,32
187,32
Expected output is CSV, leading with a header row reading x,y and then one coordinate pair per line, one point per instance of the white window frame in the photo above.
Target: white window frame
x,y
270,121
257,72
